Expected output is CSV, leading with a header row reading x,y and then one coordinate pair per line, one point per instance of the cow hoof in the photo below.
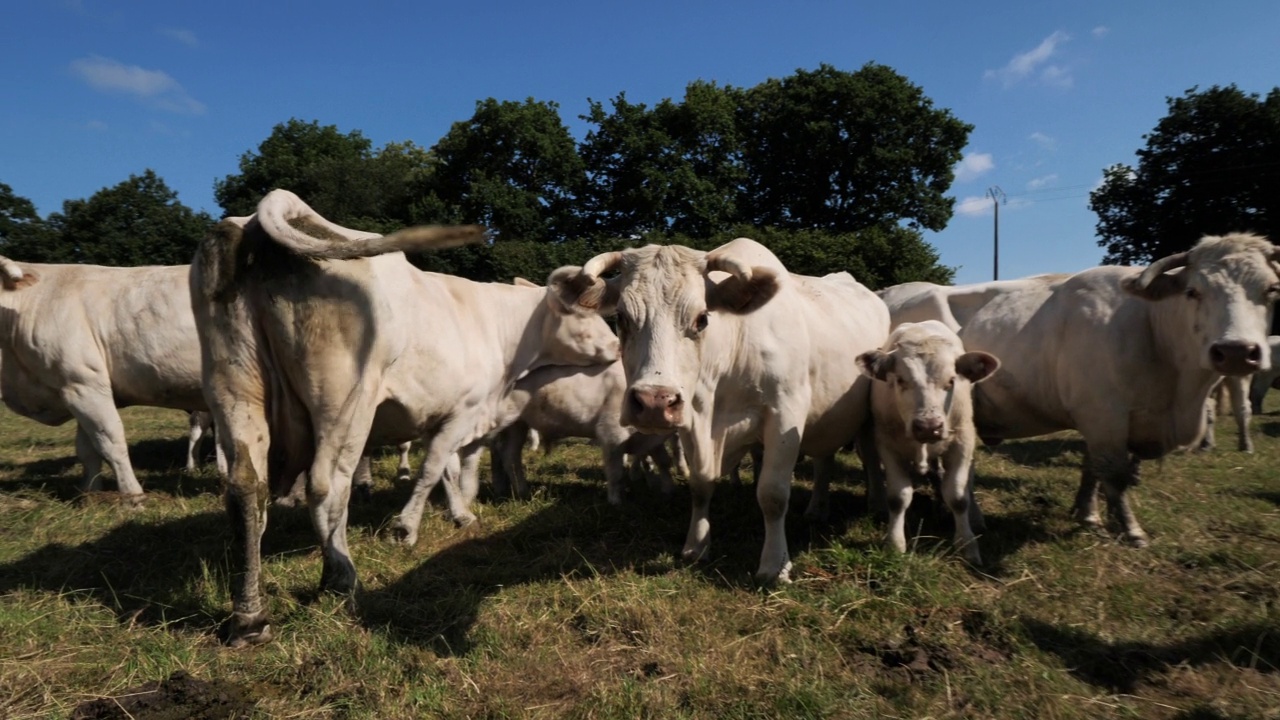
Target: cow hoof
x,y
339,578
403,534
288,501
464,520
133,501
695,553
245,630
1089,519
766,578
1137,539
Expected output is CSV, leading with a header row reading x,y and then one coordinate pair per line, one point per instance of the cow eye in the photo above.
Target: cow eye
x,y
1193,293
1274,290
951,384
700,323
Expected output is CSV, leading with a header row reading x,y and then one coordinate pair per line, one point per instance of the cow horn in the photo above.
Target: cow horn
x,y
602,263
1160,267
731,265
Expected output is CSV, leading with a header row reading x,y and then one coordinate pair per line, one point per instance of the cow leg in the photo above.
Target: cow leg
x,y
773,491
90,460
440,451
1258,387
247,497
100,422
957,491
819,510
498,475
1208,440
1116,472
195,425
362,479
404,472
869,455
698,540
1242,411
513,460
900,489
659,478
977,522
615,471
677,456
461,485
340,442
1085,509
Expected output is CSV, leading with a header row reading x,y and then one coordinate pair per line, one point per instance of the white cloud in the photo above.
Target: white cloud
x,y
973,165
153,86
186,37
1042,182
1044,141
1032,64
973,206
1099,32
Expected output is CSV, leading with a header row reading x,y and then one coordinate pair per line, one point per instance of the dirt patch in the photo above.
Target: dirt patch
x,y
180,697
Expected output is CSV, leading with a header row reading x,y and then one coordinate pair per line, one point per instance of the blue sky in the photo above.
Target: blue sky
x,y
96,90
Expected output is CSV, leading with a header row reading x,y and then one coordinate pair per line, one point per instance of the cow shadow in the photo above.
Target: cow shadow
x,y
1121,666
577,534
1039,452
170,573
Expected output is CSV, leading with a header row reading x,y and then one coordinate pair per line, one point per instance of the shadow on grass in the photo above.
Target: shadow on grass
x,y
577,535
153,573
1120,667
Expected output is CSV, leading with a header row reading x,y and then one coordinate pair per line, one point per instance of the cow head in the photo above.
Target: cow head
x,y
571,335
670,301
925,367
1224,288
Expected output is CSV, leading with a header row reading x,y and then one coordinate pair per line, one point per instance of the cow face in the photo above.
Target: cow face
x,y
575,336
1221,291
670,302
925,370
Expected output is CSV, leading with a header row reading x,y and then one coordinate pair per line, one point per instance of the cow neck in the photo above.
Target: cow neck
x,y
1170,335
519,314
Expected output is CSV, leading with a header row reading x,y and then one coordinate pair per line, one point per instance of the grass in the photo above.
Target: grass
x,y
566,607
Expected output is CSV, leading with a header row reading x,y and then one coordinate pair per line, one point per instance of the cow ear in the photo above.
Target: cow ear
x,y
976,366
1161,287
742,295
577,290
521,282
876,364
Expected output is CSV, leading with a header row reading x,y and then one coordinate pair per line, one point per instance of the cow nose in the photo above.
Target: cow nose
x,y
655,406
927,429
1236,358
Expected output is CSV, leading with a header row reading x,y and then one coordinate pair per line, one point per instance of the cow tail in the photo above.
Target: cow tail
x,y
292,223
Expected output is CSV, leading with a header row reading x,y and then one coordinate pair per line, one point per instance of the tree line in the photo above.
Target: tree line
x,y
832,170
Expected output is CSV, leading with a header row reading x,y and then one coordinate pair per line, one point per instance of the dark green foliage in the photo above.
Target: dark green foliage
x,y
341,176
138,222
1211,166
23,234
847,151
512,167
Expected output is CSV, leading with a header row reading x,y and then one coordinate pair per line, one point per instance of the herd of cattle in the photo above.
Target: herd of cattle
x,y
307,343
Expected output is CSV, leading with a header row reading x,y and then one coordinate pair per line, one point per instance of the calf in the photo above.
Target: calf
x,y
923,412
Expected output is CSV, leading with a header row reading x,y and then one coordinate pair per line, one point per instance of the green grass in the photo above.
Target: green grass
x,y
566,607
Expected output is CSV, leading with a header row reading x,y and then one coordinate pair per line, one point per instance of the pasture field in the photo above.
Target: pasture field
x,y
565,607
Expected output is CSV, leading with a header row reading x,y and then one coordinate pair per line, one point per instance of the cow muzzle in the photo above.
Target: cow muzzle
x,y
1236,357
653,408
928,429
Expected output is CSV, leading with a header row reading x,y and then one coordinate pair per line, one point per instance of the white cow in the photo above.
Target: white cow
x,y
1230,395
563,402
729,349
1264,380
200,425
1126,356
923,412
79,341
314,354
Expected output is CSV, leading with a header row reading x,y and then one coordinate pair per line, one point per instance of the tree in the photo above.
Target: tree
x,y
671,168
847,151
340,175
23,234
1210,166
513,167
138,222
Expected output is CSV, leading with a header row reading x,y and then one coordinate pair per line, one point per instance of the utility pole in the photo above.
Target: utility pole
x,y
997,196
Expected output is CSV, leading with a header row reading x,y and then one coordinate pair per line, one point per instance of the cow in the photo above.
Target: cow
x,y
1264,380
1126,356
318,340
1229,395
79,341
727,348
561,402
922,406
